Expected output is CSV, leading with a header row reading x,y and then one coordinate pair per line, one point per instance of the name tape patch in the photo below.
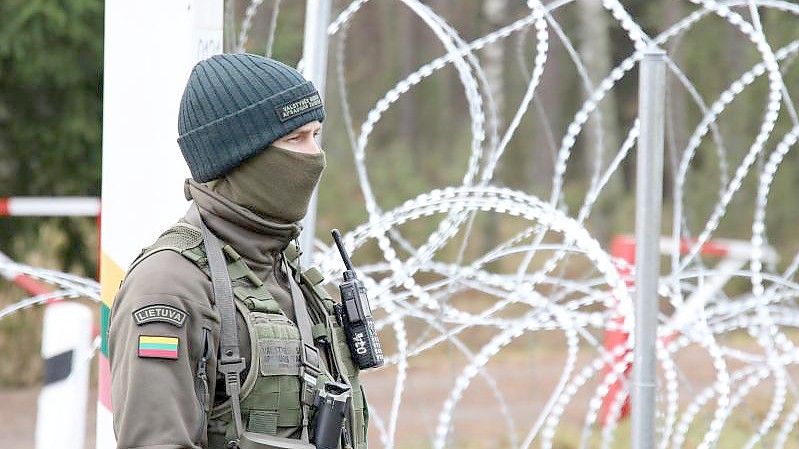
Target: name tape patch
x,y
160,312
295,108
279,357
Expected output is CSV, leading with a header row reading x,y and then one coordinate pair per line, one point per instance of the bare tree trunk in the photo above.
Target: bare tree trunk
x,y
676,111
596,52
495,13
548,109
408,104
229,34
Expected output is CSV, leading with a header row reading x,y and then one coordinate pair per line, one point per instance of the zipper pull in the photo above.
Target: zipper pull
x,y
202,366
202,369
202,374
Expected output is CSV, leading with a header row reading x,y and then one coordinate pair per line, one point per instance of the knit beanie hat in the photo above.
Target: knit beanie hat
x,y
236,105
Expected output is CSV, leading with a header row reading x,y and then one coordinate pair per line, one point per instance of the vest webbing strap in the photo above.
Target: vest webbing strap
x,y
310,368
231,364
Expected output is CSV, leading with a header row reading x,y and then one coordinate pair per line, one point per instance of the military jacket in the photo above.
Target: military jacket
x,y
164,330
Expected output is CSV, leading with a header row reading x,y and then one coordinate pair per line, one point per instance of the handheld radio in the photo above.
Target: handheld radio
x,y
355,316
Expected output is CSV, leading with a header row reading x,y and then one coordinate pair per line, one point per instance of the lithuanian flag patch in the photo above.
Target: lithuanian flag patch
x,y
158,347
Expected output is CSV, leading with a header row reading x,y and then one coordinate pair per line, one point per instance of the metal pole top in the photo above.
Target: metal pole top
x,y
652,51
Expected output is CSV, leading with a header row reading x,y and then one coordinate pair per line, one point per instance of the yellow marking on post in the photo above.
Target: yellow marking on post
x,y
111,274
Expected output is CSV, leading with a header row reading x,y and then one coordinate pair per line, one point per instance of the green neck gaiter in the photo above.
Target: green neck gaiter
x,y
276,183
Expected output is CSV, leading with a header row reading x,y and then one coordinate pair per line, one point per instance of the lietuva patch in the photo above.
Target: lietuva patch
x,y
279,357
301,106
160,313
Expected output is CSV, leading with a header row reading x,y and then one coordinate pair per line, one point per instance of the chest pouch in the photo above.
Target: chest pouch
x,y
273,409
274,391
273,405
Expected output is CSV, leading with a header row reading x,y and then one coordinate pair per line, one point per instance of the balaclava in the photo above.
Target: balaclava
x,y
275,184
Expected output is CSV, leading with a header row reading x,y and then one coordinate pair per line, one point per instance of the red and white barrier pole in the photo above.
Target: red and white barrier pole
x,y
48,206
52,206
67,332
734,254
40,206
622,248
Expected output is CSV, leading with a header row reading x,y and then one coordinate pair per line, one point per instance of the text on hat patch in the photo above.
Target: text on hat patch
x,y
295,108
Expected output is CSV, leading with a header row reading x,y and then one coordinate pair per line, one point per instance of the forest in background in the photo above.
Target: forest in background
x,y
51,55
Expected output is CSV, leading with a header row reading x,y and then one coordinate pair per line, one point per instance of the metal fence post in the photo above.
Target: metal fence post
x,y
314,57
649,198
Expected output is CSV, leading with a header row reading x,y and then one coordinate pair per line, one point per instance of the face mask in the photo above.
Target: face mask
x,y
276,183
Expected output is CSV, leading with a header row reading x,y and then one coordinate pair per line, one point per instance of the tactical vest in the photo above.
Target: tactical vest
x,y
271,396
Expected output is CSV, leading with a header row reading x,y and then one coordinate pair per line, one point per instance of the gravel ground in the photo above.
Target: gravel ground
x,y
478,421
526,379
18,418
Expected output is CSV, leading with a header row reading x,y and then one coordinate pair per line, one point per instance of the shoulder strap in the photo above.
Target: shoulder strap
x,y
312,278
309,355
181,237
231,364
